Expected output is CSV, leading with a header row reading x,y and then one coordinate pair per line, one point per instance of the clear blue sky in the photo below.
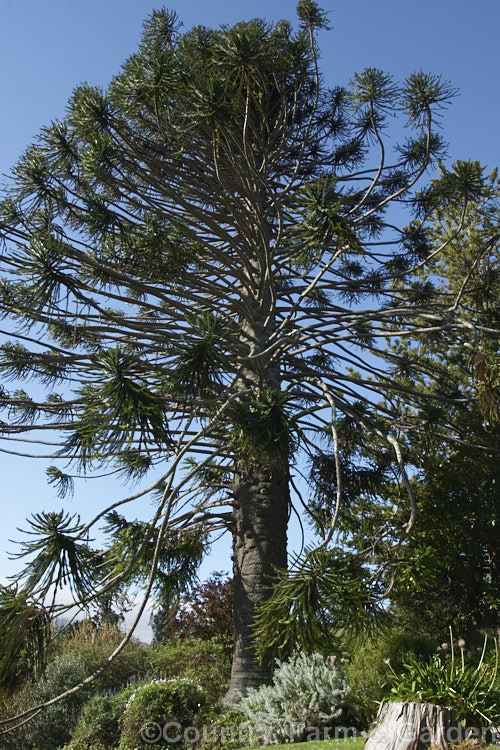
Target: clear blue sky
x,y
50,46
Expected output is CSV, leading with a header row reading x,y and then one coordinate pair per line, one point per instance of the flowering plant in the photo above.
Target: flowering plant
x,y
470,689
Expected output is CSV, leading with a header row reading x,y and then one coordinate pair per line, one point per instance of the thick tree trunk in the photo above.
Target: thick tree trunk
x,y
260,518
413,726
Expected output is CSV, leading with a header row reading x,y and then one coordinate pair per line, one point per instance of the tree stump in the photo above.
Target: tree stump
x,y
413,726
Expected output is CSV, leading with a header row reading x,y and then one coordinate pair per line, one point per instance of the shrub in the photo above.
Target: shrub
x,y
100,724
227,730
10,705
369,670
307,691
93,646
208,663
53,727
153,707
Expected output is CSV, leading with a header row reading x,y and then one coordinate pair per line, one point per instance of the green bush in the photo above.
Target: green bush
x,y
10,705
227,730
52,727
369,671
160,707
100,724
308,691
207,663
93,646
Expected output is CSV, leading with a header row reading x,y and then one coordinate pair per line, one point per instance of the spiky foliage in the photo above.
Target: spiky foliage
x,y
467,685
176,565
24,634
319,597
59,559
200,258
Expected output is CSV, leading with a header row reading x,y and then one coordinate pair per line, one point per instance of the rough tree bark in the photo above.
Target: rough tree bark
x,y
413,726
261,493
260,518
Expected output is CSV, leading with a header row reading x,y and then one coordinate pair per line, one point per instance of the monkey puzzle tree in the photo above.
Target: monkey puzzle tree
x,y
195,264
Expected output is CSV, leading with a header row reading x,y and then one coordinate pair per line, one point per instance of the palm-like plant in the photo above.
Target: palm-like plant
x,y
58,559
25,632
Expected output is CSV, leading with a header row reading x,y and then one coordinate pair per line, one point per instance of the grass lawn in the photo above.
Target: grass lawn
x,y
347,744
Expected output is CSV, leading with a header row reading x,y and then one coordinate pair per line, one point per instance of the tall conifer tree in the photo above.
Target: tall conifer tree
x,y
200,269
